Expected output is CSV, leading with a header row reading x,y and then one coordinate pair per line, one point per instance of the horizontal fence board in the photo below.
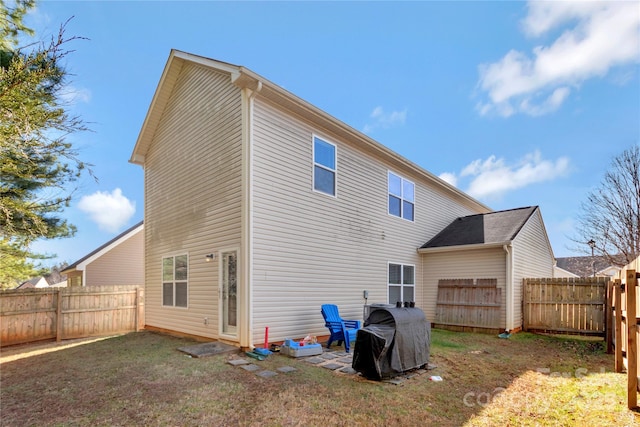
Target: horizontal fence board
x,y
37,314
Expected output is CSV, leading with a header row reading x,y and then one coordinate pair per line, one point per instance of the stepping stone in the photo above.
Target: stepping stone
x,y
395,381
329,356
314,360
250,367
409,376
287,369
333,366
348,360
266,374
238,362
348,370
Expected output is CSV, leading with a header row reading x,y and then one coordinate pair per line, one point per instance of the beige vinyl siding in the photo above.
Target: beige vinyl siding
x,y
310,248
487,263
122,265
532,257
193,195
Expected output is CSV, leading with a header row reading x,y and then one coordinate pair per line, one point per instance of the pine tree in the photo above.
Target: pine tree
x,y
38,166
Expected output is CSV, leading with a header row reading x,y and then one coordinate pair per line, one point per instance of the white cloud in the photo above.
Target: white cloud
x,y
73,95
383,120
449,177
111,211
603,35
493,177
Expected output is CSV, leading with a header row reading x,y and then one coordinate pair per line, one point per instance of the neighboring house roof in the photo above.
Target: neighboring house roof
x,y
494,228
245,78
36,282
583,266
82,262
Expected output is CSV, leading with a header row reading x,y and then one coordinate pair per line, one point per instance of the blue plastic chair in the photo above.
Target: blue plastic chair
x,y
340,330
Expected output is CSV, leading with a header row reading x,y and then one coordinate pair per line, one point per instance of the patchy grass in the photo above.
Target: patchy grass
x,y
141,379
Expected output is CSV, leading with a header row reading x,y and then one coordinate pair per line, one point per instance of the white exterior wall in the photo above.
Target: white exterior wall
x,y
532,257
193,195
309,248
462,264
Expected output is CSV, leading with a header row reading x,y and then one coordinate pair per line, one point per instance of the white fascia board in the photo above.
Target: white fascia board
x,y
457,248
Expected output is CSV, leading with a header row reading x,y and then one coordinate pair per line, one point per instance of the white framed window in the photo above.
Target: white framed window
x,y
401,283
175,281
401,197
324,166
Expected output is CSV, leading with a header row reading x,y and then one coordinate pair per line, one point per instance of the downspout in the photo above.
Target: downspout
x,y
246,335
509,286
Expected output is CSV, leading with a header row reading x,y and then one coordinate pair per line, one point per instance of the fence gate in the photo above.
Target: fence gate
x,y
566,305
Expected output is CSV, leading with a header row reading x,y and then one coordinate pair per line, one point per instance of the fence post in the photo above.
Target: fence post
x,y
608,316
59,315
632,351
617,295
137,308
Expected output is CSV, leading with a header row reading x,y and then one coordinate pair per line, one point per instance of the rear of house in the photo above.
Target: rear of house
x,y
259,207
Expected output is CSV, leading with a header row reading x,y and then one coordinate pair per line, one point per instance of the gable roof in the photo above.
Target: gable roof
x,y
494,228
244,78
125,235
35,282
583,266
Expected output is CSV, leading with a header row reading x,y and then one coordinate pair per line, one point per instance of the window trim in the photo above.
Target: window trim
x,y
403,180
401,284
320,165
174,281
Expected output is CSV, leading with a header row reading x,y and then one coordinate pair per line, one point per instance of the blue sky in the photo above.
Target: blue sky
x,y
516,103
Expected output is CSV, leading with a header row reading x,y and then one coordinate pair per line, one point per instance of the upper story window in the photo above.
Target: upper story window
x,y
175,270
324,166
401,197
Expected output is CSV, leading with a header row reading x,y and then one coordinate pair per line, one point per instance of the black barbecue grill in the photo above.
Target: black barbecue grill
x,y
392,341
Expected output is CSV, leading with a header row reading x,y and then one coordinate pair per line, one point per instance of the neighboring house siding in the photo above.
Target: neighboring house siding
x,y
310,248
532,257
123,265
193,195
463,264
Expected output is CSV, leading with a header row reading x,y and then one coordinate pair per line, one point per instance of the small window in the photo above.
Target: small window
x,y
401,283
324,166
175,281
401,197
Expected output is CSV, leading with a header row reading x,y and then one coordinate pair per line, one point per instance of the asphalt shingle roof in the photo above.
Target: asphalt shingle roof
x,y
492,227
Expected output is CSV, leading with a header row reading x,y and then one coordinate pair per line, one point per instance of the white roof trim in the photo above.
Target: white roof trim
x,y
473,247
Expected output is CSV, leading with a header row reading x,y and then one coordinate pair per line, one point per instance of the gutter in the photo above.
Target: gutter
x,y
509,285
249,88
456,248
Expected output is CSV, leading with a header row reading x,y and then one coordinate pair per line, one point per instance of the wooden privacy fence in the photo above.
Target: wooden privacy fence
x,y
475,303
625,334
28,315
565,305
